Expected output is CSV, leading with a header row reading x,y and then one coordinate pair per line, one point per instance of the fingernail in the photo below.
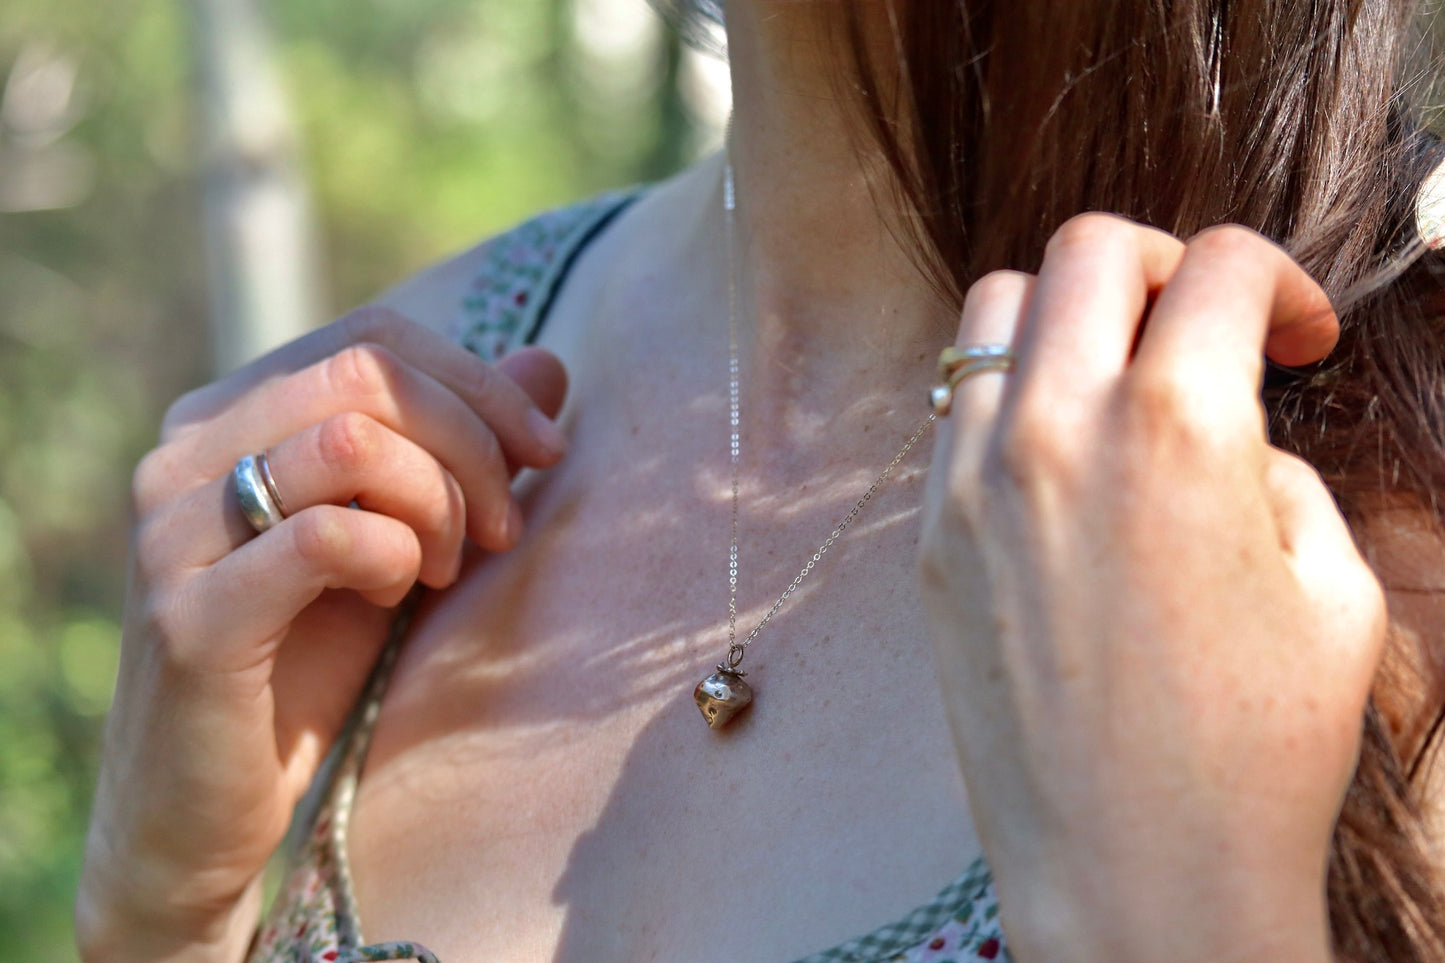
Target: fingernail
x,y
546,432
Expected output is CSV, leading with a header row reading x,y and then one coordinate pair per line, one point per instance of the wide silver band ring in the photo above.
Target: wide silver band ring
x,y
256,491
955,364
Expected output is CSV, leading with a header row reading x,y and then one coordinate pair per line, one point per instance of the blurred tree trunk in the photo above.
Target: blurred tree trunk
x,y
261,251
670,148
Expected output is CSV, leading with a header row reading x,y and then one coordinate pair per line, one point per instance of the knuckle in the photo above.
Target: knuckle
x,y
362,370
348,442
940,534
1164,419
146,483
375,322
993,290
1157,396
1228,241
155,480
161,624
962,493
150,539
1376,609
955,529
1029,452
933,567
1088,232
319,537
152,543
1292,473
1159,405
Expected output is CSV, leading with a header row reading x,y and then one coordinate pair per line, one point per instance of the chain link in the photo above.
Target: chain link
x,y
734,406
736,649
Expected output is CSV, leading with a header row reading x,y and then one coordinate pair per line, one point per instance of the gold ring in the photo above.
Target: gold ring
x,y
955,364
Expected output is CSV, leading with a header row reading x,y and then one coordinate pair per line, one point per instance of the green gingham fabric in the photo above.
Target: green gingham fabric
x,y
315,918
959,925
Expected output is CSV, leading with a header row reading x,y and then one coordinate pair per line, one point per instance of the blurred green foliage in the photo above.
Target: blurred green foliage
x,y
426,124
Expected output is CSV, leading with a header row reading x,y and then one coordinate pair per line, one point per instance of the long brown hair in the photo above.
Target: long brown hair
x,y
1000,120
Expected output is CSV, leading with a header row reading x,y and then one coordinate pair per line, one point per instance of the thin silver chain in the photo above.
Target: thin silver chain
x,y
736,649
730,203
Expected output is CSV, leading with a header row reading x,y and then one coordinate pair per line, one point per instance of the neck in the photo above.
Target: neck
x,y
822,270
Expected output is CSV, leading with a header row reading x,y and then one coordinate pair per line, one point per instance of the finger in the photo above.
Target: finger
x,y
233,614
537,372
337,638
1098,274
1320,548
993,310
1235,297
367,380
506,407
541,376
347,458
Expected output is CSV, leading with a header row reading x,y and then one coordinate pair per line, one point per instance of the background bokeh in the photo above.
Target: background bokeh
x,y
368,137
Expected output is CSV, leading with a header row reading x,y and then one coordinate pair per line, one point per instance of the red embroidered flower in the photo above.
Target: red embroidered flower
x,y
938,943
988,949
329,955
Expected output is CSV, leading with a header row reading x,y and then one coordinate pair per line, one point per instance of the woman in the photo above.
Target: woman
x,y
1154,635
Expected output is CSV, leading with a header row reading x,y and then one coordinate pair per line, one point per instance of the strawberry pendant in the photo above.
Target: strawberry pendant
x,y
721,696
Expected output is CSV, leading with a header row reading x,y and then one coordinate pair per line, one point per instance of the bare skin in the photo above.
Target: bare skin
x,y
542,788
567,666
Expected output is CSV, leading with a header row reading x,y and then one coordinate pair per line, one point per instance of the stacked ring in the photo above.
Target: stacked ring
x,y
955,364
256,491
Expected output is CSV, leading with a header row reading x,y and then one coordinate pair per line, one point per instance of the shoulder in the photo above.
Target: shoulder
x,y
488,295
493,296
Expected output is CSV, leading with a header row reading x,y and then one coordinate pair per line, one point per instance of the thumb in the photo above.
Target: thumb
x,y
541,375
1321,551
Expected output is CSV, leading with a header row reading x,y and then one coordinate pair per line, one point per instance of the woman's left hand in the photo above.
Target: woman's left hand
x,y
1156,635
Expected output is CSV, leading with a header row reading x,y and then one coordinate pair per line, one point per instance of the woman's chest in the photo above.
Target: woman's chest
x,y
542,786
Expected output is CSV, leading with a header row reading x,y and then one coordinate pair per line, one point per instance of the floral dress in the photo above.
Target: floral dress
x,y
314,918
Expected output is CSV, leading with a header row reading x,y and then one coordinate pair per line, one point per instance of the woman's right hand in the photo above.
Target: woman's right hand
x,y
242,654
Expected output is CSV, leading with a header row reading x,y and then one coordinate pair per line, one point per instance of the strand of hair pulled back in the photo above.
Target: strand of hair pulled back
x,y
1000,121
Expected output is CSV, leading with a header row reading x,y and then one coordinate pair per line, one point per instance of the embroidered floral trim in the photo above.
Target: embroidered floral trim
x,y
507,300
314,918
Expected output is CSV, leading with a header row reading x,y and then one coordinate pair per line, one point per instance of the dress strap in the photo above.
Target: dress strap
x,y
314,918
509,300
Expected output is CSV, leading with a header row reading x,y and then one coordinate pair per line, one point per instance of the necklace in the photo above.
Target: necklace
x,y
722,695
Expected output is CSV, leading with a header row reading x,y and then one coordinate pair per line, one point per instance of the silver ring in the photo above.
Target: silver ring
x,y
256,491
264,464
955,364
